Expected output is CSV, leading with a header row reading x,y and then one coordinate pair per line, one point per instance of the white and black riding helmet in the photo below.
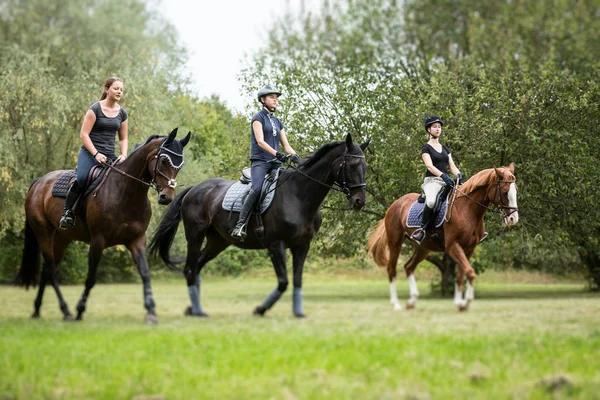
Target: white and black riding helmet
x,y
267,90
432,120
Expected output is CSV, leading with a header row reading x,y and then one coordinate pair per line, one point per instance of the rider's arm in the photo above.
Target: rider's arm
x,y
260,138
86,128
123,138
284,142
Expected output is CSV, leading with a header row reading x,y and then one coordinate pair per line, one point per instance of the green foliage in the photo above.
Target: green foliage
x,y
515,82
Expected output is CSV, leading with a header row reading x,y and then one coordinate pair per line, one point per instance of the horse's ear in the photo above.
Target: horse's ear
x,y
186,139
364,145
511,168
498,173
171,136
349,141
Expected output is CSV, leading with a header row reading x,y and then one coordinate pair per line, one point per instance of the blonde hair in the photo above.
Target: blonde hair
x,y
107,84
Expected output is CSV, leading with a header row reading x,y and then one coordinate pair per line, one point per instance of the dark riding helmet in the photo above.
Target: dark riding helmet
x,y
266,91
432,120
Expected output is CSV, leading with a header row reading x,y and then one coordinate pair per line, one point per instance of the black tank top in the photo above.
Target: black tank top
x,y
440,160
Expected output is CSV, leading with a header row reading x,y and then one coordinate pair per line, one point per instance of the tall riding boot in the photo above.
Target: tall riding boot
x,y
67,219
419,234
239,232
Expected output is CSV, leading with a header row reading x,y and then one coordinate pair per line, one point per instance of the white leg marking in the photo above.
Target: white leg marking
x,y
470,293
394,296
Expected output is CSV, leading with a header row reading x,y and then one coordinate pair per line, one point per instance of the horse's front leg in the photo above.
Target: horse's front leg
x,y
299,253
94,256
456,252
277,253
138,253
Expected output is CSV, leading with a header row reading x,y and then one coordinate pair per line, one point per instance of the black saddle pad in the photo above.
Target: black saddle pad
x,y
62,184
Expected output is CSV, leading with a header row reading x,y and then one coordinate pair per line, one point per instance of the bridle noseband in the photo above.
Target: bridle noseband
x,y
505,210
172,183
344,187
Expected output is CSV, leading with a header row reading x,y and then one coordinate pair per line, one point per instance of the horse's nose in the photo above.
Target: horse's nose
x,y
163,198
358,203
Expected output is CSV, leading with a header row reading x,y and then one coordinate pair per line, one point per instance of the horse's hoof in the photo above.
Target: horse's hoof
x,y
397,307
151,319
259,312
189,313
410,306
299,315
79,317
35,315
68,318
463,307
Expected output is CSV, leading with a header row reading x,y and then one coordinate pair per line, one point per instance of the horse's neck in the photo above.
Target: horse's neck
x,y
314,188
135,166
473,202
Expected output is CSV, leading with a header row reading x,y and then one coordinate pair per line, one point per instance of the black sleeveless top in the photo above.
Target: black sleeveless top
x,y
440,160
105,129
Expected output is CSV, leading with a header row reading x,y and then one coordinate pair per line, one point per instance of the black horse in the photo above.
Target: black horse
x,y
116,212
291,221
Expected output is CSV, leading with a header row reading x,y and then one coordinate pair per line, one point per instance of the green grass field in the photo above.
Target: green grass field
x,y
524,341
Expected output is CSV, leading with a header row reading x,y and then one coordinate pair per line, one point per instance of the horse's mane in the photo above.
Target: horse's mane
x,y
485,178
140,144
317,155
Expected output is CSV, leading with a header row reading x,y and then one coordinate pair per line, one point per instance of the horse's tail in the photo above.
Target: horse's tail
x,y
378,246
166,230
30,264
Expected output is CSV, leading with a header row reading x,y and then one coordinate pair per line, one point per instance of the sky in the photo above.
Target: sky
x,y
220,37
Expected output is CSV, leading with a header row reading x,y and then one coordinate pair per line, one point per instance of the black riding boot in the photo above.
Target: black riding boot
x,y
419,234
67,219
239,232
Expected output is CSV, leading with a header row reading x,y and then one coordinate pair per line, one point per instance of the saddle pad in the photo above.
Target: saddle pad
x,y
62,184
416,211
236,194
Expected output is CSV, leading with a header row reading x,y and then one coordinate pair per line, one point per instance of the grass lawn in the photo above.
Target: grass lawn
x,y
524,341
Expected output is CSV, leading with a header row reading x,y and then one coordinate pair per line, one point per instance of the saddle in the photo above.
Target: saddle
x,y
237,193
413,220
64,182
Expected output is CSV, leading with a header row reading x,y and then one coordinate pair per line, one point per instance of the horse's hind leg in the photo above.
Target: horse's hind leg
x,y
52,251
277,253
215,244
395,240
419,255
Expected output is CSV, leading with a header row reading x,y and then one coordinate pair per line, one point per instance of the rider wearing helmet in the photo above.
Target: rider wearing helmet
x,y
438,160
266,132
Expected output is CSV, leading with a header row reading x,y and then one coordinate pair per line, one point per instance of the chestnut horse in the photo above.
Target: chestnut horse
x,y
291,221
458,236
116,212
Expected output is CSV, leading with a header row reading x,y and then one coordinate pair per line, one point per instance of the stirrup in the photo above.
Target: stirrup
x,y
485,235
239,232
67,220
420,232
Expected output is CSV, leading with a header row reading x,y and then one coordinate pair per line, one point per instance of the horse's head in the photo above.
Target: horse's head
x,y
503,193
164,165
350,169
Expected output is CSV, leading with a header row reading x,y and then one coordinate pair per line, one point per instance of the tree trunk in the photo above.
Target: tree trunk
x,y
447,267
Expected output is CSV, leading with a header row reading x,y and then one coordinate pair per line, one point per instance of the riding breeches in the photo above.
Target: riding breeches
x,y
258,171
85,162
431,187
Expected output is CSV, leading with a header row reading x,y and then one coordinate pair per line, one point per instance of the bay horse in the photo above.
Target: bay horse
x,y
291,221
460,233
116,212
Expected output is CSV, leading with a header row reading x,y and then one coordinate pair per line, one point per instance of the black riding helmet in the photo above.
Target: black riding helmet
x,y
432,120
267,90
